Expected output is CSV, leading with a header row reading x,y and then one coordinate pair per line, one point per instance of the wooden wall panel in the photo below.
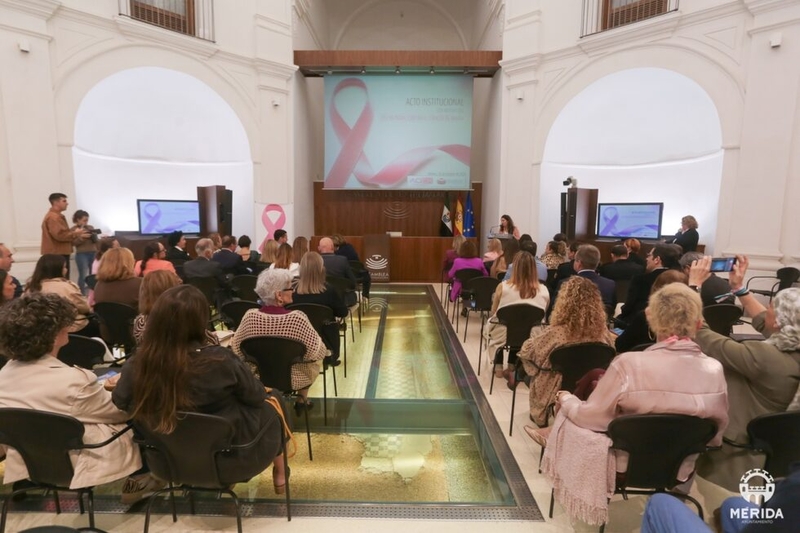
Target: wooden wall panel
x,y
414,213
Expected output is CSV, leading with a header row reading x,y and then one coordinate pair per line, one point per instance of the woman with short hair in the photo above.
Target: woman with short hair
x,y
49,277
274,288
633,246
174,370
116,281
154,253
687,237
33,328
248,256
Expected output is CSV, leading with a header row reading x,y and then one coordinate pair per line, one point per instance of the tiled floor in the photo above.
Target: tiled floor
x,y
625,516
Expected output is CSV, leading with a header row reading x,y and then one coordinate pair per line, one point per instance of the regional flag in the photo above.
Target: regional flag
x,y
469,218
459,222
446,228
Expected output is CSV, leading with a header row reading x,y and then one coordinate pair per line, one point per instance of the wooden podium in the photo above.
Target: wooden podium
x,y
579,213
216,210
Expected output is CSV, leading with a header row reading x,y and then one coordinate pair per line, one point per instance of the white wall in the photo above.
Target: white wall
x,y
157,133
638,135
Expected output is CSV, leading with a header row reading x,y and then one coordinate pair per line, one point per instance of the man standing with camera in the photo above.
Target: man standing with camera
x,y
57,238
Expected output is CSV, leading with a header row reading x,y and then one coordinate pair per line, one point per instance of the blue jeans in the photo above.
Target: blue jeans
x,y
668,514
84,262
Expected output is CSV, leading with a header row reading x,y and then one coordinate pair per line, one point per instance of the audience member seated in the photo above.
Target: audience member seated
x,y
105,244
216,238
671,377
115,279
338,267
585,264
248,256
555,254
153,260
500,265
269,250
284,260
176,249
312,289
527,244
299,249
6,260
174,370
715,290
687,237
274,288
762,375
467,258
344,248
33,329
621,267
49,277
231,262
452,253
495,250
522,288
281,236
566,270
660,258
7,284
633,246
153,285
578,317
638,330
203,266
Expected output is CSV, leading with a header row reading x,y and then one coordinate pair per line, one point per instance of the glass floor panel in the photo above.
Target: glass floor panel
x,y
408,432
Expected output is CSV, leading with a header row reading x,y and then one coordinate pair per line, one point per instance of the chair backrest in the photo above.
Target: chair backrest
x,y
208,286
43,440
274,357
575,360
320,316
116,323
482,290
234,311
658,444
188,455
722,317
245,287
357,267
778,436
519,319
466,274
82,351
787,276
340,285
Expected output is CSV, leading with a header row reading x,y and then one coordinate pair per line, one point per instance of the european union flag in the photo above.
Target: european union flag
x,y
469,218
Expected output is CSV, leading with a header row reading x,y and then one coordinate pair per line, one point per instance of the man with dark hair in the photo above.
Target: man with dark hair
x,y
6,260
281,236
229,260
620,268
660,258
57,238
176,248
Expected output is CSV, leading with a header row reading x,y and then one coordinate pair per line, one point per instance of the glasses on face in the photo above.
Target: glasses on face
x,y
287,290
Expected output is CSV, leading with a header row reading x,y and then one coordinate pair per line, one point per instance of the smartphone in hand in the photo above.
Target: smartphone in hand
x,y
722,264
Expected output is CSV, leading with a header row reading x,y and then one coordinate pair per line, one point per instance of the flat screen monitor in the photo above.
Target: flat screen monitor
x,y
160,217
642,221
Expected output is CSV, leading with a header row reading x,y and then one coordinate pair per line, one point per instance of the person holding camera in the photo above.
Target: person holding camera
x,y
57,237
85,247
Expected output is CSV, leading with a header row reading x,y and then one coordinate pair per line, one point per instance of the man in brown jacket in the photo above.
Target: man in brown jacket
x,y
57,238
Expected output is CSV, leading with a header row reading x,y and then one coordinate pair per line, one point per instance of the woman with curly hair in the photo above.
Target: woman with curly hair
x,y
578,316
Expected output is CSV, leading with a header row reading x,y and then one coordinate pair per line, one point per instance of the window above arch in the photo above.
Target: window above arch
x,y
602,15
189,17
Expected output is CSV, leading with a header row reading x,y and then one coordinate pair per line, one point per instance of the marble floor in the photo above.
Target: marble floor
x,y
401,333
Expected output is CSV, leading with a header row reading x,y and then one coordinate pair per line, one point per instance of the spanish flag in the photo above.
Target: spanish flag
x,y
458,226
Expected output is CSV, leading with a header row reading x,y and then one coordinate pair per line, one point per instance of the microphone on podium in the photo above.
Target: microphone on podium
x,y
493,231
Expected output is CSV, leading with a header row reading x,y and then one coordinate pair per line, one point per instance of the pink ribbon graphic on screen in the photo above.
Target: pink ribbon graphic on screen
x,y
352,160
269,225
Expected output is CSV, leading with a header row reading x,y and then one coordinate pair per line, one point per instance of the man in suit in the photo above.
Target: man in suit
x,y
176,249
660,258
337,266
203,266
585,264
620,267
229,260
714,290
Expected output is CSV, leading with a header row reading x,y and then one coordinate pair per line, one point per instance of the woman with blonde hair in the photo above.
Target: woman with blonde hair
x,y
299,249
269,251
578,316
494,251
522,288
284,260
687,237
451,254
312,289
116,281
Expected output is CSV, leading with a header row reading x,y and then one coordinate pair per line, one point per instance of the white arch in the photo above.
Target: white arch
x,y
430,4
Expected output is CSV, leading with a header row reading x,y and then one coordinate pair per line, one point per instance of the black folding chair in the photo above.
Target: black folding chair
x,y
464,275
84,352
244,287
786,276
116,325
480,290
722,317
777,435
193,458
232,312
346,287
45,440
275,357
